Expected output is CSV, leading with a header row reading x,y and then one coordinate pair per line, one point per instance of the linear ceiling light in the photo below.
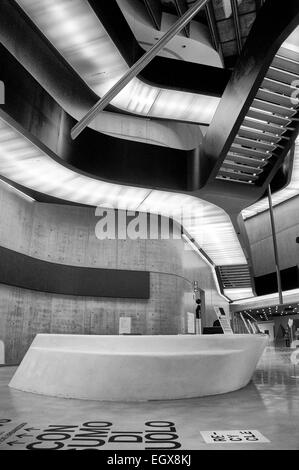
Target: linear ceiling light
x,y
270,297
237,294
76,32
26,164
208,224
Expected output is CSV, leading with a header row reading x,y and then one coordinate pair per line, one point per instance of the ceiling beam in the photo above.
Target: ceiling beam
x,y
154,8
234,5
181,8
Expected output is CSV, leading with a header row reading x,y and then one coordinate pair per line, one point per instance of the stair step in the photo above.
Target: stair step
x,y
268,118
281,76
223,178
250,152
276,98
253,162
279,87
237,176
254,144
262,126
273,108
289,54
257,135
285,64
229,164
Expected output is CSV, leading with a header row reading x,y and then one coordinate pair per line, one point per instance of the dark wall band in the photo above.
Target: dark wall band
x,y
267,284
19,270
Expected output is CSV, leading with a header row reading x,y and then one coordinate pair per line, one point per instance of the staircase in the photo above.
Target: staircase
x,y
264,129
235,276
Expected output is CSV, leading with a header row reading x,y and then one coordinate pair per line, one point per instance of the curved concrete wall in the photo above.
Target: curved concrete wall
x,y
66,234
134,368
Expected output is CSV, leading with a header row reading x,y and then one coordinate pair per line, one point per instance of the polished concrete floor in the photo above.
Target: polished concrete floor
x,y
269,404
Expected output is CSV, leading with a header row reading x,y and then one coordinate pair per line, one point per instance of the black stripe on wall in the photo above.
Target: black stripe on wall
x,y
267,284
17,269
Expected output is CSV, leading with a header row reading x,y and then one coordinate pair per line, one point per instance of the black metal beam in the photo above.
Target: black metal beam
x,y
275,246
235,11
210,14
181,8
154,9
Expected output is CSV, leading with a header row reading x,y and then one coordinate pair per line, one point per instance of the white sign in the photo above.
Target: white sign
x,y
190,322
124,325
2,355
290,322
294,358
233,437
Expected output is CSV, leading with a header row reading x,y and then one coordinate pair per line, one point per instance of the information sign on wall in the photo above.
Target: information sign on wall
x,y
190,322
125,325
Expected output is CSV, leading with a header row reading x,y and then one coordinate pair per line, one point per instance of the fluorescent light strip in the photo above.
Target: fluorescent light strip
x,y
206,223
273,297
238,293
25,163
211,265
76,32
